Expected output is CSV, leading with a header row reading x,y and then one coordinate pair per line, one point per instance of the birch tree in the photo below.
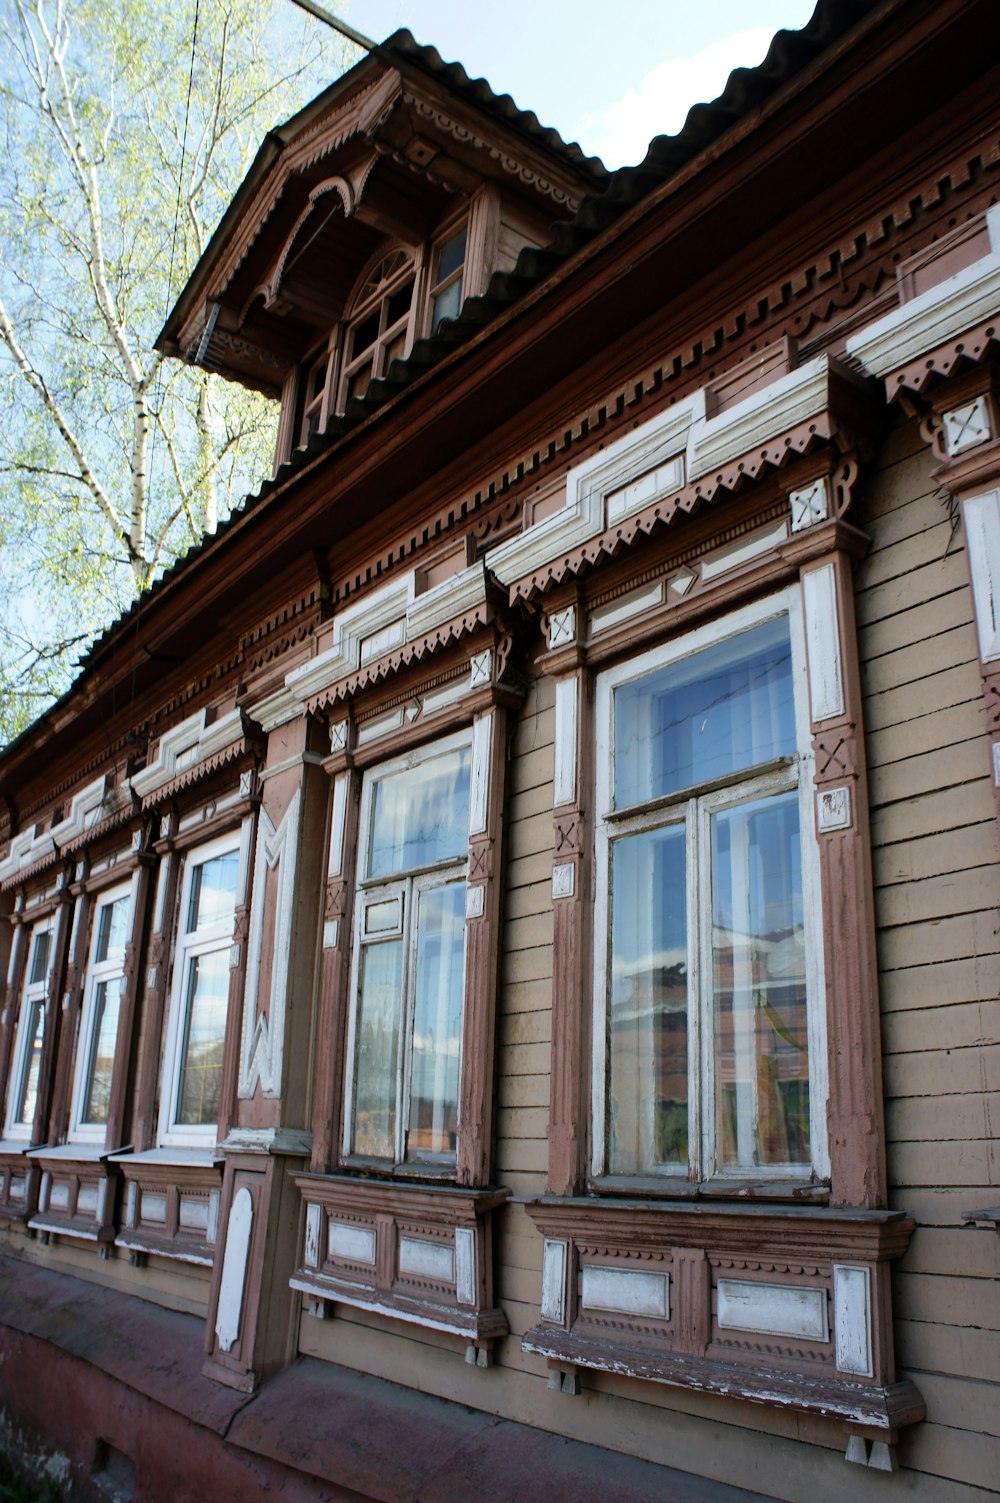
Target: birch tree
x,y
126,127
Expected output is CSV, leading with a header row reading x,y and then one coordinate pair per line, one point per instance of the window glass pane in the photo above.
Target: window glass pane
x,y
364,334
398,305
448,303
394,350
376,1052
107,997
451,254
648,1021
358,384
34,1023
759,986
111,924
721,710
40,957
205,1006
420,816
437,1022
213,891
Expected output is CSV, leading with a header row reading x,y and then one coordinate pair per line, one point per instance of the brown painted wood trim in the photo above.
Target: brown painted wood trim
x,y
159,961
335,980
72,1002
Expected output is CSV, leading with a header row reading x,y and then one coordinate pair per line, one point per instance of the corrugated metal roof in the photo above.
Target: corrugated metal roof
x,y
746,90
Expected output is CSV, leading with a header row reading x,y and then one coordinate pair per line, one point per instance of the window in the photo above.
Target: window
x,y
379,329
199,1003
22,1090
313,393
409,959
95,1054
448,273
707,1050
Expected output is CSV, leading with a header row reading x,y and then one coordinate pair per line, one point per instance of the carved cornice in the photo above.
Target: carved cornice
x,y
95,810
189,752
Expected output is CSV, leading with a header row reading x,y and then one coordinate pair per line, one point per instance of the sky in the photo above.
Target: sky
x,y
609,76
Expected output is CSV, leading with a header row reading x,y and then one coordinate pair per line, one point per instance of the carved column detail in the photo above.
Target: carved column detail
x,y
854,1053
154,998
572,916
335,967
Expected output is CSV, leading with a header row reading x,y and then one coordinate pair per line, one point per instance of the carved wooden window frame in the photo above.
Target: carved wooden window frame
x,y
34,998
170,1133
691,809
112,973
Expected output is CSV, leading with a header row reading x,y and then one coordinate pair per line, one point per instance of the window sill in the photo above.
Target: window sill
x,y
17,1174
784,1305
75,1196
420,1253
171,1203
773,1191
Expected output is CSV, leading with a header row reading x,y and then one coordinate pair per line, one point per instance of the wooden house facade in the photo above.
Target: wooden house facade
x,y
500,953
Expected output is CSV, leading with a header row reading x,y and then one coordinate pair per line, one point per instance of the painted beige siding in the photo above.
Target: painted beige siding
x,y
936,870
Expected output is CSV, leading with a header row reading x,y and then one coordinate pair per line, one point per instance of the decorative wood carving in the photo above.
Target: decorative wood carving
x,y
790,1265
413,1252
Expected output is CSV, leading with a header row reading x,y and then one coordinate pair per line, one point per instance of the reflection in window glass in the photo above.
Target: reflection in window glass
x,y
759,986
648,1015
437,1021
377,1048
28,1094
446,293
704,717
213,892
102,1053
421,815
205,1005
40,957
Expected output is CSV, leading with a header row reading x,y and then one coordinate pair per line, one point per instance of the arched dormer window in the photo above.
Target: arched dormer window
x,y
379,324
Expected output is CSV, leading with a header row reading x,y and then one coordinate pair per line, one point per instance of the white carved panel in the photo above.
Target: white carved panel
x,y
852,1306
810,505
833,809
262,1043
772,1309
338,817
314,1228
465,1265
234,1269
967,427
479,787
193,1213
475,901
154,1206
826,683
554,1265
87,1199
743,551
434,1260
562,627
982,538
627,1291
564,880
565,748
664,480
626,606
355,1243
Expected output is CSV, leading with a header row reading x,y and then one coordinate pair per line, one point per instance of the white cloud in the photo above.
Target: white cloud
x,y
621,133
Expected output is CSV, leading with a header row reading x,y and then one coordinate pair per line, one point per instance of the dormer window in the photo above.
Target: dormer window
x,y
315,393
378,331
448,273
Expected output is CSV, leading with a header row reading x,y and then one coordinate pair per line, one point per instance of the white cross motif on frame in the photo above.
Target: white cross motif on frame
x,y
562,626
966,427
809,505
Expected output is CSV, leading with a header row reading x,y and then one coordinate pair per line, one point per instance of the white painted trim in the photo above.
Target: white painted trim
x,y
454,596
852,1304
826,674
234,1270
479,785
375,609
627,1291
793,1310
110,972
626,606
435,1260
649,446
564,880
379,726
743,551
465,1265
567,699
982,541
263,1037
933,317
762,416
555,1262
338,821
186,746
356,1244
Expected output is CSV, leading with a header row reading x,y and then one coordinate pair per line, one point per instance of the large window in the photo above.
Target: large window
x,y
95,1054
23,1084
199,1003
707,1034
409,959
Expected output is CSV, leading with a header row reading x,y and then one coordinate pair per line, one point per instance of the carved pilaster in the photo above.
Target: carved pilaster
x,y
152,984
572,919
855,1119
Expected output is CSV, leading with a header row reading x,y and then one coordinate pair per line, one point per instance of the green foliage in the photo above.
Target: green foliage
x,y
122,149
